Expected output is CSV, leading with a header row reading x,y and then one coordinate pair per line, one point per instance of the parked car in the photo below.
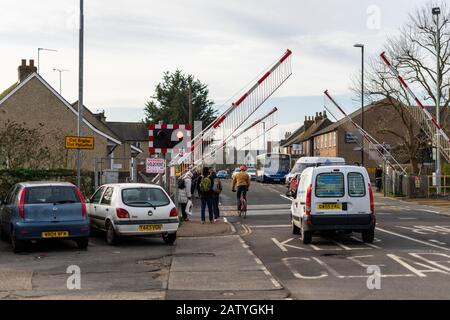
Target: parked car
x,y
334,198
44,210
133,209
222,174
306,162
237,170
251,172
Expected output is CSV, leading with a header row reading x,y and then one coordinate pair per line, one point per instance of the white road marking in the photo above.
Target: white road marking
x,y
407,218
315,247
272,226
297,274
279,245
438,242
412,239
432,211
285,197
367,244
283,245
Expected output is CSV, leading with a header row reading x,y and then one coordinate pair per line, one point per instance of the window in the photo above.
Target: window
x,y
330,185
334,139
326,140
51,194
107,196
97,195
356,185
144,197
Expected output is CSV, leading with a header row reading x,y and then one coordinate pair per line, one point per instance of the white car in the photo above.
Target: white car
x,y
133,209
334,198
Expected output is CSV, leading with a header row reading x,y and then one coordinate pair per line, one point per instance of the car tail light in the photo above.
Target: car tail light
x,y
173,212
83,203
22,203
122,213
308,200
372,204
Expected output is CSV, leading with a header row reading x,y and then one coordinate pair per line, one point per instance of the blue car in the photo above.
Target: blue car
x,y
44,210
222,174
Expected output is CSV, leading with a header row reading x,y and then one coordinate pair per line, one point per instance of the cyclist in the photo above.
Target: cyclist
x,y
241,181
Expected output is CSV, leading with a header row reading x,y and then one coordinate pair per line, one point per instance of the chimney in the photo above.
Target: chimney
x,y
325,115
25,70
101,116
308,122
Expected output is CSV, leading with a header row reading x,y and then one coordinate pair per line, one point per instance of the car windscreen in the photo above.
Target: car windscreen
x,y
51,194
252,170
330,185
144,197
299,167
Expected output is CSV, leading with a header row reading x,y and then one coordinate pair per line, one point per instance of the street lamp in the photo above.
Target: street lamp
x,y
436,12
39,51
60,71
358,45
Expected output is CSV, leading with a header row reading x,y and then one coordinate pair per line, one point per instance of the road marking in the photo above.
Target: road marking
x,y
407,218
367,244
412,239
438,242
297,274
426,210
283,245
272,226
315,247
419,273
285,197
233,229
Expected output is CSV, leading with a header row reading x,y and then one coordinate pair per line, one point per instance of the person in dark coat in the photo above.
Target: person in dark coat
x,y
206,195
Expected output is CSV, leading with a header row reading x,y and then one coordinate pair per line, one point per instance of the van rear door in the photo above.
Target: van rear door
x,y
329,200
358,207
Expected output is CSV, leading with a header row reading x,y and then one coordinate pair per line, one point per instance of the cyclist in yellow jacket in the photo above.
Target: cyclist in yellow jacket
x,y
241,182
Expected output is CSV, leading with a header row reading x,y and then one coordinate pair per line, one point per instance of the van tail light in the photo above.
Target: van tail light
x,y
308,200
22,203
372,203
122,213
173,212
83,203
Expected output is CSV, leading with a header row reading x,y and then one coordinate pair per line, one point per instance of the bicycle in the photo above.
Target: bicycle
x,y
242,206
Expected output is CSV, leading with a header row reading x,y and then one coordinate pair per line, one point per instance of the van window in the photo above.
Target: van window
x,y
330,185
356,185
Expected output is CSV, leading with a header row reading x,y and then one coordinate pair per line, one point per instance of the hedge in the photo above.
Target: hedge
x,y
9,178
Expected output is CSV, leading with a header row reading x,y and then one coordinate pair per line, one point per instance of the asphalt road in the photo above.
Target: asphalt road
x,y
411,250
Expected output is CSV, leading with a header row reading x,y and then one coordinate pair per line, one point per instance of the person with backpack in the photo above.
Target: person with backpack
x,y
206,195
184,193
217,189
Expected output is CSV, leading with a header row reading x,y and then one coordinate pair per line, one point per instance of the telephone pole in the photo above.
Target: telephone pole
x,y
80,90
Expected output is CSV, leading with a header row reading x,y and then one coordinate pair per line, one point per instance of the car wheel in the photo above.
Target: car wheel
x,y
82,243
17,245
368,236
169,238
295,229
111,236
306,236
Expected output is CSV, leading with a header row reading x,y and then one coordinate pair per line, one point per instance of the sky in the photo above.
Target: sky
x,y
225,44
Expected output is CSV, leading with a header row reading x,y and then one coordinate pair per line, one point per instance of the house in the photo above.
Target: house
x,y
33,102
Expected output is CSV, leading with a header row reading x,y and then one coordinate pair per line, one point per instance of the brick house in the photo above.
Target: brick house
x,y
33,102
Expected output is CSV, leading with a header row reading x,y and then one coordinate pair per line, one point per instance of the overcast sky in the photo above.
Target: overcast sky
x,y
129,44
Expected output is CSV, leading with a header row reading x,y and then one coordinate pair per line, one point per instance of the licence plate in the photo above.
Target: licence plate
x,y
55,234
152,227
329,206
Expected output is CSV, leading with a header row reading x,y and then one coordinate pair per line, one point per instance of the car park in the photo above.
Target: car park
x,y
334,198
306,162
44,210
133,209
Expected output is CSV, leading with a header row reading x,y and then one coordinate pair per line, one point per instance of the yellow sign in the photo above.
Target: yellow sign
x,y
79,143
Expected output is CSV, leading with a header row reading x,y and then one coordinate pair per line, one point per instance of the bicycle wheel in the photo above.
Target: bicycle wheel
x,y
244,207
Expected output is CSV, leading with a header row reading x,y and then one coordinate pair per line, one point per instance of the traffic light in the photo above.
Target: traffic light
x,y
167,138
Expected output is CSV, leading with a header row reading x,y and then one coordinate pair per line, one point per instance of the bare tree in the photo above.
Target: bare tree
x,y
414,53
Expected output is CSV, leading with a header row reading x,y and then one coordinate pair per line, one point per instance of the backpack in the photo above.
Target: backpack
x,y
205,184
217,187
181,184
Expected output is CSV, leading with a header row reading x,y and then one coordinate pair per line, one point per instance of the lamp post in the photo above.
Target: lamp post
x,y
80,89
358,45
39,53
60,71
436,12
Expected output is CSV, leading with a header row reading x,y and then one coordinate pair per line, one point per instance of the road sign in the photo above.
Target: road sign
x,y
79,142
164,138
155,165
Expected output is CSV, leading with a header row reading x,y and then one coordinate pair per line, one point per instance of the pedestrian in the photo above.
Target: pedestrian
x,y
378,178
184,193
206,195
217,189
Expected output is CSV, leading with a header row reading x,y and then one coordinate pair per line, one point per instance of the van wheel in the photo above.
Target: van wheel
x,y
17,245
306,236
368,235
295,229
83,243
111,236
169,238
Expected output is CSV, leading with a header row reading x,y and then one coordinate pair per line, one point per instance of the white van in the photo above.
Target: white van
x,y
306,162
334,198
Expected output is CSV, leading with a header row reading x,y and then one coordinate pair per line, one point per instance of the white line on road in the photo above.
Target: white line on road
x,y
438,242
272,226
367,244
412,239
407,218
279,245
285,197
432,211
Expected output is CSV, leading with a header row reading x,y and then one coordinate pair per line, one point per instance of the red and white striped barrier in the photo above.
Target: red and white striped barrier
x,y
185,144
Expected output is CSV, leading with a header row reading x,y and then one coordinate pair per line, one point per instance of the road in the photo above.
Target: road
x,y
411,250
